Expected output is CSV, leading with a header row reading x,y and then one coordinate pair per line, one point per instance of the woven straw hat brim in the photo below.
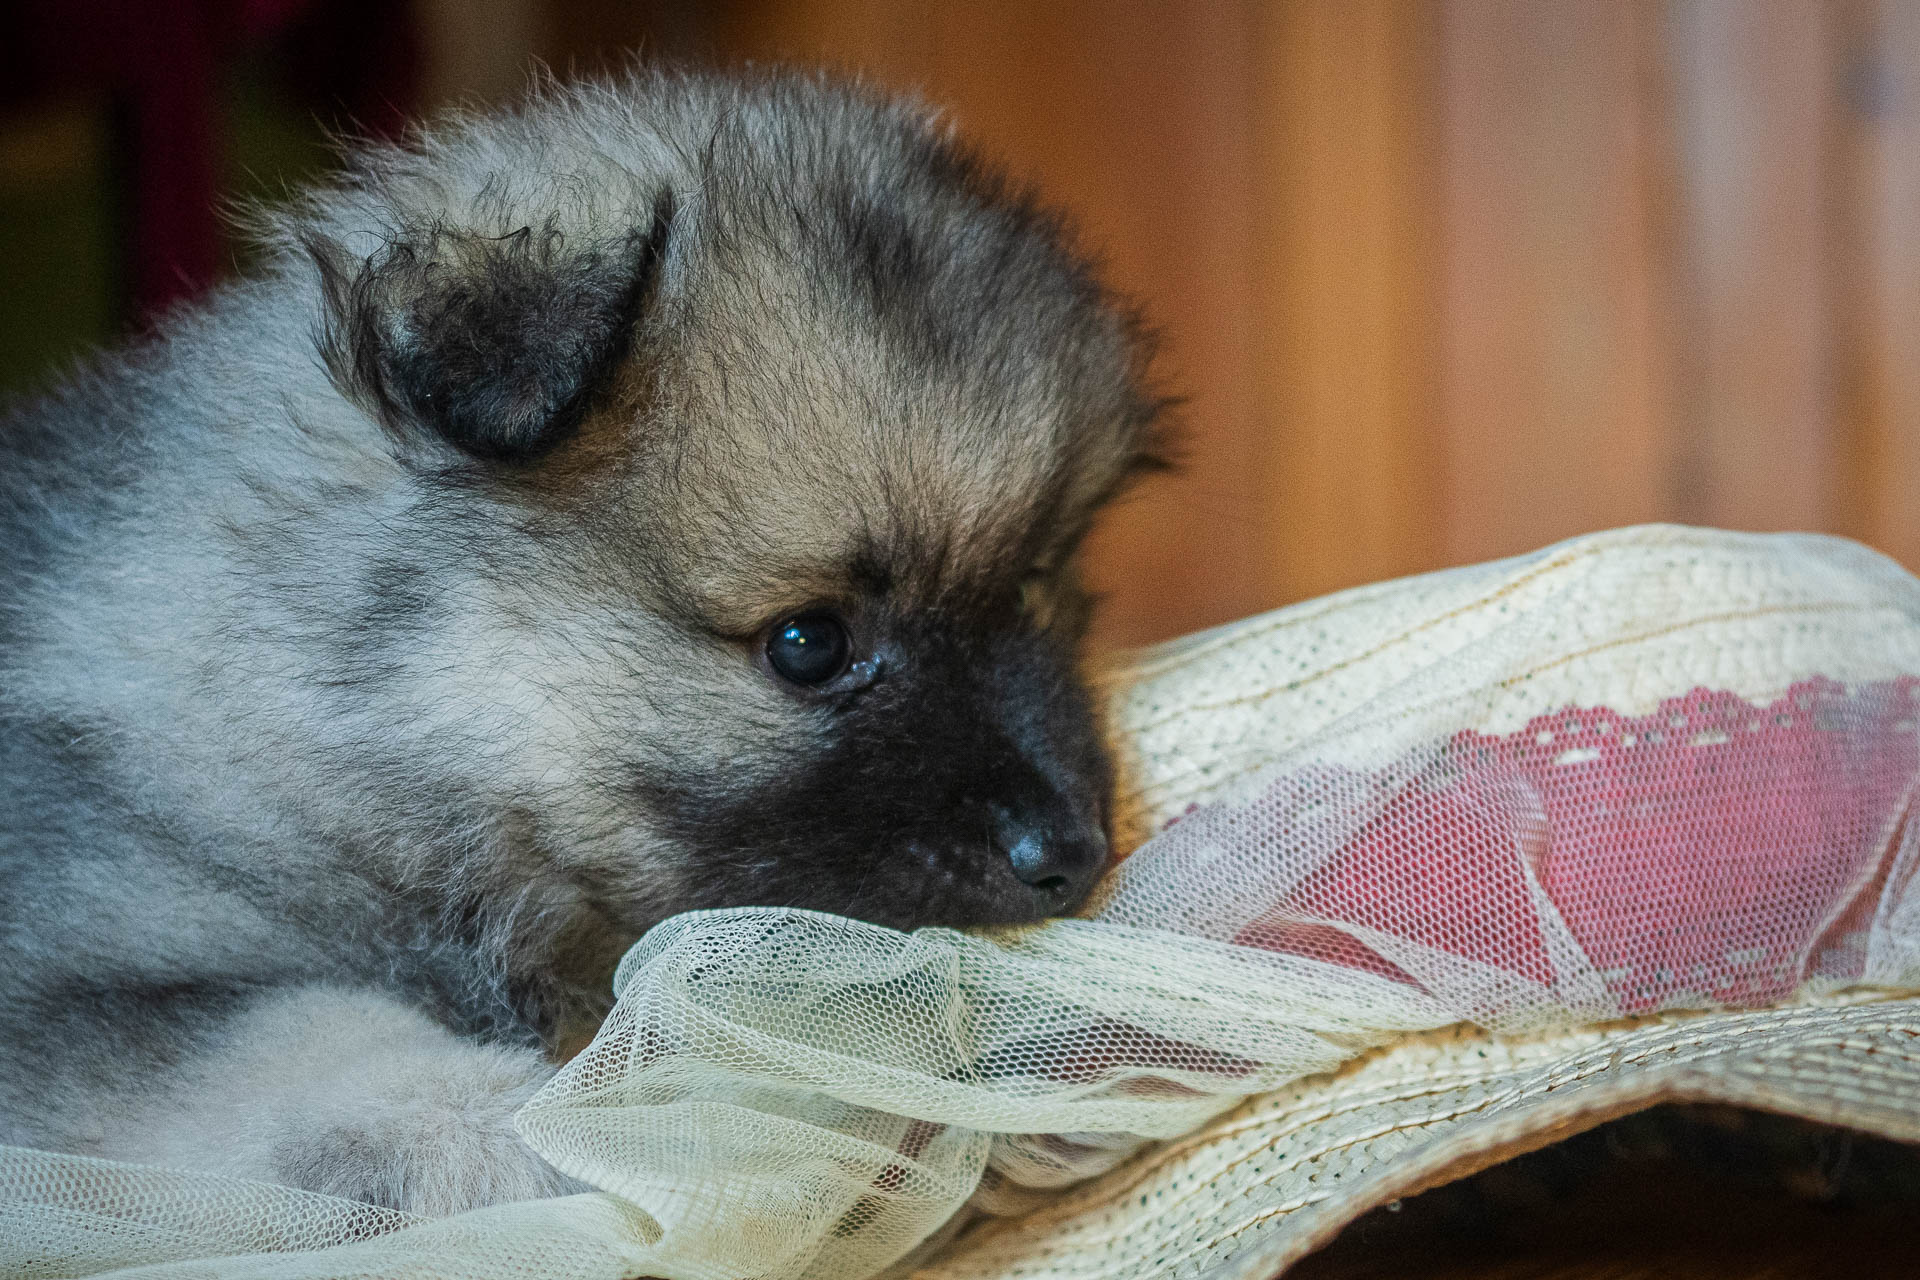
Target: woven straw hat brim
x,y
1278,1177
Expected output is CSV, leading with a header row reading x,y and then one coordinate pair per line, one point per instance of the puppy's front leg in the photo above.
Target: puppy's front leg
x,y
353,1094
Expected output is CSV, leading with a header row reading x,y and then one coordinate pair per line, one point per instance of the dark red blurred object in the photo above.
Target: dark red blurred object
x,y
356,62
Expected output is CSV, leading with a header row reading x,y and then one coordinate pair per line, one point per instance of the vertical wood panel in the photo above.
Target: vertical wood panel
x,y
1347,280
477,49
893,43
1877,294
1554,388
1752,103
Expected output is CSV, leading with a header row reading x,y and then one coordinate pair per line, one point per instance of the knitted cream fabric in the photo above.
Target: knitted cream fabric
x,y
1277,1177
1438,868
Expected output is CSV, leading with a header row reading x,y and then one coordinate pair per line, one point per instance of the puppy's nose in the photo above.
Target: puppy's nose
x,y
1061,864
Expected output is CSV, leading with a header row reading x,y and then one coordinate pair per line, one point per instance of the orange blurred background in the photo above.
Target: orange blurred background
x,y
1440,282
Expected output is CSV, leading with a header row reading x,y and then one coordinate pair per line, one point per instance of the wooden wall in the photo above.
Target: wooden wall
x,y
1446,281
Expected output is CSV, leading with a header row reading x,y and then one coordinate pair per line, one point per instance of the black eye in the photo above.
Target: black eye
x,y
810,649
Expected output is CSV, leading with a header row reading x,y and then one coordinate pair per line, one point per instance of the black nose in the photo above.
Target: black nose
x,y
1060,863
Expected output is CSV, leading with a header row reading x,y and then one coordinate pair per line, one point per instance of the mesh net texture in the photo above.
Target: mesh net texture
x,y
1650,770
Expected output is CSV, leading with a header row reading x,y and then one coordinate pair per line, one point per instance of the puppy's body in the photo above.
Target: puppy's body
x,y
394,640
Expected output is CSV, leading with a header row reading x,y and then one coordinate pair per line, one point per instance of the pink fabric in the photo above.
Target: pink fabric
x,y
1713,852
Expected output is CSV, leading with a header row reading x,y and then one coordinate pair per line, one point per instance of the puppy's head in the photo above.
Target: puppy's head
x,y
769,424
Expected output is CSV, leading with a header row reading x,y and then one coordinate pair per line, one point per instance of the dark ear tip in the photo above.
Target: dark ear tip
x,y
496,345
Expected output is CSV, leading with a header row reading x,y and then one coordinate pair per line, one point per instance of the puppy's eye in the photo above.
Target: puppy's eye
x,y
810,649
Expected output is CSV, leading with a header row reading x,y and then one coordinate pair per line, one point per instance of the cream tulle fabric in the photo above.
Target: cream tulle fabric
x,y
1648,770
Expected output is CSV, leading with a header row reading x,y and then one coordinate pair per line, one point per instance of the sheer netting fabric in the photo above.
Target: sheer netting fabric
x,y
1650,770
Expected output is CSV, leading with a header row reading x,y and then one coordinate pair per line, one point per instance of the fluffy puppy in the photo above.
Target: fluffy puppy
x,y
663,496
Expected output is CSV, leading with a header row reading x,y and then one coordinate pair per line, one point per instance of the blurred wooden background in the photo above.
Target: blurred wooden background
x,y
1440,281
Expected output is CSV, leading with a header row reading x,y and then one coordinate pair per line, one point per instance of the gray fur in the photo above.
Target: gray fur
x,y
381,647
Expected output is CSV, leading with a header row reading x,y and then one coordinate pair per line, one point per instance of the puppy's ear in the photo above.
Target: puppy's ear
x,y
495,344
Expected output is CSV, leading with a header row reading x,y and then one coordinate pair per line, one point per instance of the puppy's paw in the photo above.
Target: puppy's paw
x,y
433,1138
353,1094
429,1144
